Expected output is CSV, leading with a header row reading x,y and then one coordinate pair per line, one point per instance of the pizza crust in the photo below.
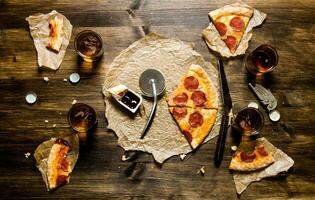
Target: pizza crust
x,y
56,34
225,17
58,171
240,11
205,85
199,134
196,135
259,162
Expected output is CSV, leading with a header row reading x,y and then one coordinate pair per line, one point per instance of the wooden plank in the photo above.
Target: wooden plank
x,y
101,18
99,172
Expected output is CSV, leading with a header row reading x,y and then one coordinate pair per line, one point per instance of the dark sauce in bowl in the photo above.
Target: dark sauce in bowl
x,y
130,100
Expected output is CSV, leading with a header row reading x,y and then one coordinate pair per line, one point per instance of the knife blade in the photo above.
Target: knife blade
x,y
227,106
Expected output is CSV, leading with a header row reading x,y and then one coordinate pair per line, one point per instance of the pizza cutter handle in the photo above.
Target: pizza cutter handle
x,y
131,155
152,81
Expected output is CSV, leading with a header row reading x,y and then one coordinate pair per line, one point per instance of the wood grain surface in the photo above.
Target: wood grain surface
x,y
99,172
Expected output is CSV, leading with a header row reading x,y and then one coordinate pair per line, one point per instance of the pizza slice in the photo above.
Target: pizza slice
x,y
58,171
194,123
56,34
194,90
251,161
231,25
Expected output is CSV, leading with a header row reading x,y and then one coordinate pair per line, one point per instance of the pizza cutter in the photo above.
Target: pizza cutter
x,y
152,84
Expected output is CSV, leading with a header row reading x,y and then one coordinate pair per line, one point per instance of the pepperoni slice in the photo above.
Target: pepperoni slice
x,y
191,83
247,157
179,112
187,135
221,28
180,99
199,98
195,119
261,150
231,42
237,23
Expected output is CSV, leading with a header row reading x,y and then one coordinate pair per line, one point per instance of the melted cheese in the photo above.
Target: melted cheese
x,y
56,34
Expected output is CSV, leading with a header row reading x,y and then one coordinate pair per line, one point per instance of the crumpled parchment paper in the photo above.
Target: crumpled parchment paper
x,y
282,164
214,42
39,28
42,153
173,58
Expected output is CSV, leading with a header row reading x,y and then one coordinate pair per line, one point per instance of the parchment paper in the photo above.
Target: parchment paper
x,y
173,58
39,28
42,153
214,41
282,164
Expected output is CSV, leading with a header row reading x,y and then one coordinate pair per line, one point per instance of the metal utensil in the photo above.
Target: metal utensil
x,y
267,99
152,84
227,106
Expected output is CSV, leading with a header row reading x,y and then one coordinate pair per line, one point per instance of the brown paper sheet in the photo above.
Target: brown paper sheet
x,y
39,28
173,58
214,41
42,153
282,164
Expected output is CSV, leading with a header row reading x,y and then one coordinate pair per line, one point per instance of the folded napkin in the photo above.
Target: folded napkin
x,y
43,150
39,28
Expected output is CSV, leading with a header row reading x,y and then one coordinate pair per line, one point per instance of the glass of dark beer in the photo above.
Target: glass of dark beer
x,y
262,60
82,117
89,45
249,121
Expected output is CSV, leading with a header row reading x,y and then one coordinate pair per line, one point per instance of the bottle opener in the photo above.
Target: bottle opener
x,y
267,99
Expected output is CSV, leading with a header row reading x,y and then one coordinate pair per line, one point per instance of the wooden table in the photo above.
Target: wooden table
x,y
99,172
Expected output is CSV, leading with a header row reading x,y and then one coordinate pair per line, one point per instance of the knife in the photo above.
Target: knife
x,y
227,106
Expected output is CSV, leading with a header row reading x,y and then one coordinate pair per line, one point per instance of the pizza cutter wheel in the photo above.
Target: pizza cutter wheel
x,y
152,84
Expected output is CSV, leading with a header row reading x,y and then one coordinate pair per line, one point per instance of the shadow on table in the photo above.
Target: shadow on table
x,y
87,68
